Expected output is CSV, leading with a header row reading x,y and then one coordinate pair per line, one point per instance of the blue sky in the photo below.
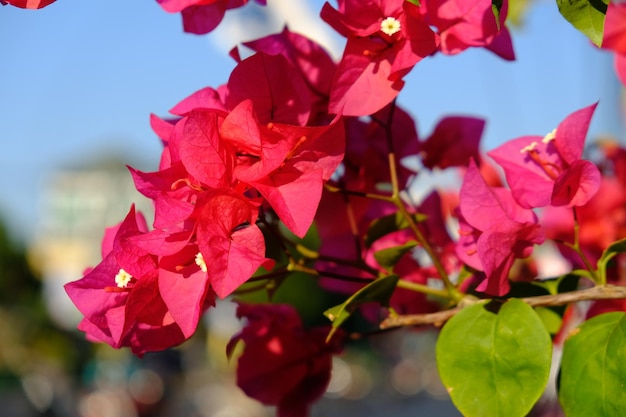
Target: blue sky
x,y
79,79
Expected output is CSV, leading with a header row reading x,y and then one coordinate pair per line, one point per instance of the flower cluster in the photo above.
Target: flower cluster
x,y
296,164
498,224
232,154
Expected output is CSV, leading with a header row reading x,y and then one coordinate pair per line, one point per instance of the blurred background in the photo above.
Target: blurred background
x,y
78,81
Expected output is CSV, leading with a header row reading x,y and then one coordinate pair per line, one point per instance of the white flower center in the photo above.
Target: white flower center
x,y
123,278
549,137
528,148
200,262
390,25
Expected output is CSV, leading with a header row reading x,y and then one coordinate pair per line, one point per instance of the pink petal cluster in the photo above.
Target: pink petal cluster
x,y
231,153
385,39
495,230
133,298
550,170
463,24
454,142
614,37
201,16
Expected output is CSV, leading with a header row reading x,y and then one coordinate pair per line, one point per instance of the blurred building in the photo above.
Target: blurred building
x,y
76,205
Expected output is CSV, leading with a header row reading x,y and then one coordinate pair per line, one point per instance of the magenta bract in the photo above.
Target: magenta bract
x,y
549,170
500,230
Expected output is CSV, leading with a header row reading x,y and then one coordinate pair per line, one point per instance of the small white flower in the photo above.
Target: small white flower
x,y
122,278
390,25
528,148
200,262
549,137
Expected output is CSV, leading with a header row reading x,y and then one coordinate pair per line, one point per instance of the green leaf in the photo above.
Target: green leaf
x,y
388,224
585,15
550,318
379,290
496,6
561,284
494,359
388,257
415,2
593,368
608,254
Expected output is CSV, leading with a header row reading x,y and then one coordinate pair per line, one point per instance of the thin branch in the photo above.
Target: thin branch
x,y
604,292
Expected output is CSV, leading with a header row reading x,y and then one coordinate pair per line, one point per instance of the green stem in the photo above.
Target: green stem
x,y
315,272
452,291
576,248
425,289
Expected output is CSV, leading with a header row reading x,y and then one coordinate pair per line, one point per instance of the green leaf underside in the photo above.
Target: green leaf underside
x,y
608,254
388,257
593,368
585,15
379,290
495,364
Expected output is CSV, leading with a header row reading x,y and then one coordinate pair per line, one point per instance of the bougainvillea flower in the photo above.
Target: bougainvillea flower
x,y
184,288
462,24
276,88
228,236
169,188
454,142
221,228
614,37
201,16
286,164
205,98
28,4
308,58
549,170
385,39
312,61
501,231
367,149
283,364
121,297
204,154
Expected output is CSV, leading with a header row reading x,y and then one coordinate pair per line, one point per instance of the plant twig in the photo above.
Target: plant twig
x,y
603,292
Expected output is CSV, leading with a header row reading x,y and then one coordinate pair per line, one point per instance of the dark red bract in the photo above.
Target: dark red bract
x,y
283,364
28,4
